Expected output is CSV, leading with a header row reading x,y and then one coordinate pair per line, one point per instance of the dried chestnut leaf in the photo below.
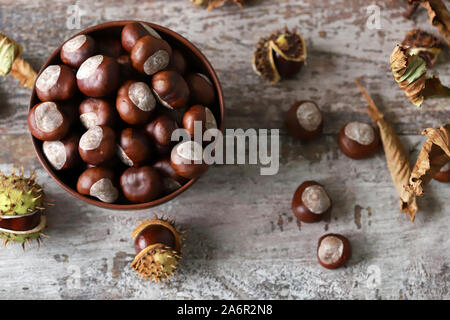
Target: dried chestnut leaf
x,y
216,3
396,157
423,44
434,155
439,15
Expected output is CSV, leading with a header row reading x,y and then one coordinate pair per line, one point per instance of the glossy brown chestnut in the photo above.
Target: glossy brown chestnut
x,y
55,83
126,67
135,102
187,160
132,32
48,122
358,140
96,112
201,114
62,154
444,174
170,179
153,234
333,250
76,50
304,121
98,76
97,145
141,184
21,223
310,202
177,62
287,69
98,182
134,148
110,47
170,89
160,130
201,89
150,55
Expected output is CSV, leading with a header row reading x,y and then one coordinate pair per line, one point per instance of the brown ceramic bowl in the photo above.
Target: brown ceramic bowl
x,y
194,57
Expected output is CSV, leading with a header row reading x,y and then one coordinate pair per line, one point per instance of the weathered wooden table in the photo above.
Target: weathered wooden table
x,y
243,241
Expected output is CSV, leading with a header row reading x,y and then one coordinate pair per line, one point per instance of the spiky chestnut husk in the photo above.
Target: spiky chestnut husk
x,y
26,236
409,71
158,248
281,55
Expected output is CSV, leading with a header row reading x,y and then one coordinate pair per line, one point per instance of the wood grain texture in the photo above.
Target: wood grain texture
x,y
243,241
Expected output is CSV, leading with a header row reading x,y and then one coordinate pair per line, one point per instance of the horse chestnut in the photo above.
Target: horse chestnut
x,y
76,50
55,83
304,120
333,250
160,130
170,179
198,113
310,202
134,148
96,112
132,32
97,145
62,154
135,102
110,47
177,62
98,76
358,140
48,122
150,55
170,89
201,89
98,182
141,185
186,159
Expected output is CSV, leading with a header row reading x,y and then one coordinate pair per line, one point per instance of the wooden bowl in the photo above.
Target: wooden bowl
x,y
67,180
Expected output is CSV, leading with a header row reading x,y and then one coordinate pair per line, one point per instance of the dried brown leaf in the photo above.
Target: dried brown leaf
x,y
439,15
22,71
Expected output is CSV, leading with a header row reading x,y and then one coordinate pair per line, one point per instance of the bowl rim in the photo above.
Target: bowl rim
x,y
185,43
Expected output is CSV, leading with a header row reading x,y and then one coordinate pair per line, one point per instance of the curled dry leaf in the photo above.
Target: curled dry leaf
x,y
11,63
423,44
409,71
216,3
434,155
439,15
396,156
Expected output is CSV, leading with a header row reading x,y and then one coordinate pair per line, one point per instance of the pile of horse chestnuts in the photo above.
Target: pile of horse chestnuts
x,y
108,107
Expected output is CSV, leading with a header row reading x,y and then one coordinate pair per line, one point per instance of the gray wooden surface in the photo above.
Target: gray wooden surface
x,y
242,239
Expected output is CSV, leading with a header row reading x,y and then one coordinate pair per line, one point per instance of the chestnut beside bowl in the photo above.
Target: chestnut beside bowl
x,y
68,180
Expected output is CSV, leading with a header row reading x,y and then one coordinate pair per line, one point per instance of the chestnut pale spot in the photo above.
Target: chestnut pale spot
x,y
446,167
75,43
360,132
89,119
158,61
92,138
151,31
88,67
47,117
48,78
104,190
190,150
55,153
210,122
330,250
316,199
123,157
309,116
142,96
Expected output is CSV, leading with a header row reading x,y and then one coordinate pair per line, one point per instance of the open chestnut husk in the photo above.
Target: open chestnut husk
x,y
170,89
48,122
98,76
333,250
187,160
98,182
55,83
201,89
170,179
358,140
135,102
141,185
444,174
280,55
134,148
97,145
150,55
158,247
311,202
201,114
62,154
96,112
304,121
134,31
76,50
